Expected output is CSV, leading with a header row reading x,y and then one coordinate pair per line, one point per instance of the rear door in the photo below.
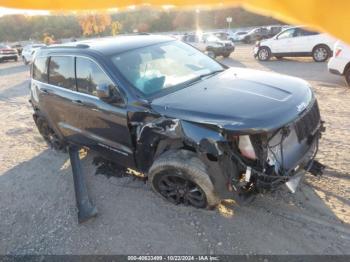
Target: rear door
x,y
56,94
305,40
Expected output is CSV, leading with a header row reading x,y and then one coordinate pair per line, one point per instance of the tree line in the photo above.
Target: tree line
x,y
72,25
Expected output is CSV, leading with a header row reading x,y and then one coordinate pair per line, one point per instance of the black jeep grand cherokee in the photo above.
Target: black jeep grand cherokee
x,y
198,130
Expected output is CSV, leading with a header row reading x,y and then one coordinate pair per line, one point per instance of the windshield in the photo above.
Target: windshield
x,y
155,68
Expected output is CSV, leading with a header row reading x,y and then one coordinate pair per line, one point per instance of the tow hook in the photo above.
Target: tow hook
x,y
316,168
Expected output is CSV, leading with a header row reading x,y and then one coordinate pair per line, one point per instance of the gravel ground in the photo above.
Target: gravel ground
x,y
37,206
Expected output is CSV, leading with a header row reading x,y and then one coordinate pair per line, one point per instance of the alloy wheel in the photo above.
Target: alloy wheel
x,y
263,54
179,190
321,54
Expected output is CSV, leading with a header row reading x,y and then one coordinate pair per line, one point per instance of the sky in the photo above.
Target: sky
x,y
10,11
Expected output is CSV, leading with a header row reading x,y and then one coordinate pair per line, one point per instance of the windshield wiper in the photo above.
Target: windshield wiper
x,y
200,77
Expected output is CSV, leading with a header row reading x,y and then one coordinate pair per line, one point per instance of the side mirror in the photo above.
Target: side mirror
x,y
103,92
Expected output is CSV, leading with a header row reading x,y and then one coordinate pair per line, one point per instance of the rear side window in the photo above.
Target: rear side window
x,y
40,69
308,33
90,75
61,72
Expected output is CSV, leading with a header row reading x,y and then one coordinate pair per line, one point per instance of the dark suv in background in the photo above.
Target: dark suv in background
x,y
199,131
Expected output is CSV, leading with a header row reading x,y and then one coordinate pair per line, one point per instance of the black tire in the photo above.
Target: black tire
x,y
264,53
347,76
16,59
181,178
49,135
226,55
25,60
321,53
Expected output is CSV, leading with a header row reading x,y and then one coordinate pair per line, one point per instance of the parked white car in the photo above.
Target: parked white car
x,y
28,52
296,42
340,62
210,44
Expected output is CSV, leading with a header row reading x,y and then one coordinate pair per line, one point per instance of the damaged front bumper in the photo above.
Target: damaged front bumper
x,y
284,157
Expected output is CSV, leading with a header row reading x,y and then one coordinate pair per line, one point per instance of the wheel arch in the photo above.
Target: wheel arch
x,y
162,135
322,44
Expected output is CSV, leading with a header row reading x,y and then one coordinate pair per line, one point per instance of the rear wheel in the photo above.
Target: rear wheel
x,y
181,178
264,53
321,53
49,135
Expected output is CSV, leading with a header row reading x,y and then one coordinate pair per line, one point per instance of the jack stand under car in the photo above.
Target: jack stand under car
x,y
86,210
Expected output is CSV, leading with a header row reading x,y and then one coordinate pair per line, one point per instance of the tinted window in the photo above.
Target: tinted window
x,y
286,34
89,75
303,32
61,72
40,69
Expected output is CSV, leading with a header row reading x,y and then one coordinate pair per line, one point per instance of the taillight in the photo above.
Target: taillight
x,y
337,52
246,147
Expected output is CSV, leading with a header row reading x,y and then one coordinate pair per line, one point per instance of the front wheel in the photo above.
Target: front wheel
x,y
264,54
321,53
181,178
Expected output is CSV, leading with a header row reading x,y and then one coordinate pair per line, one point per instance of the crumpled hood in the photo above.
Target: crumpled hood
x,y
238,99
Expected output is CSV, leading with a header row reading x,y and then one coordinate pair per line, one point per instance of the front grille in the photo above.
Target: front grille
x,y
308,122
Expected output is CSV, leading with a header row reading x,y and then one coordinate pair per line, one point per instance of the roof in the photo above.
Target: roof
x,y
114,45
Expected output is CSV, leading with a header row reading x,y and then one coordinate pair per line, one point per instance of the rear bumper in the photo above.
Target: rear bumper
x,y
222,50
336,65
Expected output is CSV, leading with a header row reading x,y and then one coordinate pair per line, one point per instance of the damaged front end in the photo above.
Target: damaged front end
x,y
281,156
238,164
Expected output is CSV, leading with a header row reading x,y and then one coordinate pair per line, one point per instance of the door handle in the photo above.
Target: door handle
x,y
79,102
45,91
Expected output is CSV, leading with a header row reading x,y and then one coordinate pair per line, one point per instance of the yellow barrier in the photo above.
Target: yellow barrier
x,y
331,16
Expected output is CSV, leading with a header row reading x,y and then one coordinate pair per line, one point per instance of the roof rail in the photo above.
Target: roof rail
x,y
68,46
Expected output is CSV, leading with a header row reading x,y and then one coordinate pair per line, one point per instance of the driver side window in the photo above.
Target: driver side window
x,y
89,76
287,34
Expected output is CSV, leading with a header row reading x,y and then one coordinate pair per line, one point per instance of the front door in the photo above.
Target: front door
x,y
284,42
103,125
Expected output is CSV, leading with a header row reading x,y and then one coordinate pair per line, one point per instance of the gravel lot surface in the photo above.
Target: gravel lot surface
x,y
37,206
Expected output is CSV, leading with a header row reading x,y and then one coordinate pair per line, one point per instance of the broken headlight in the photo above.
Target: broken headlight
x,y
246,147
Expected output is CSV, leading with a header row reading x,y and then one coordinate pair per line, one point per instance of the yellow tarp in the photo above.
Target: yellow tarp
x,y
331,16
